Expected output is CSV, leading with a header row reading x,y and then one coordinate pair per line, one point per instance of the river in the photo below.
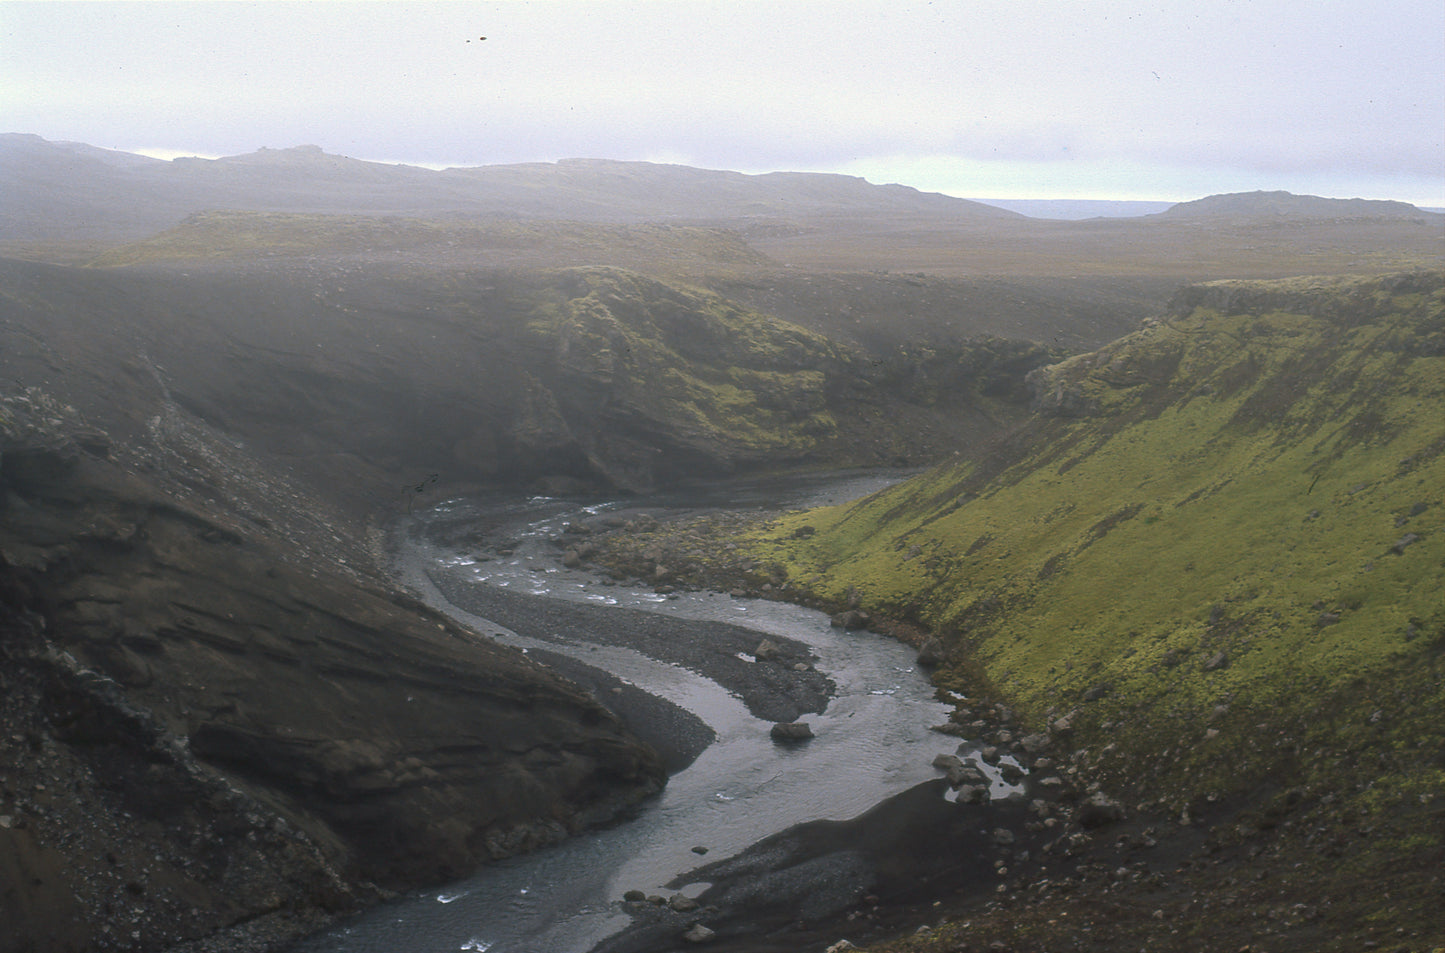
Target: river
x,y
871,742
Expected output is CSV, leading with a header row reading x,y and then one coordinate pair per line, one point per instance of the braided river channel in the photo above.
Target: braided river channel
x,y
872,741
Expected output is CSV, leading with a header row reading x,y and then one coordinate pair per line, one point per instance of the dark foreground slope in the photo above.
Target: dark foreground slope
x,y
202,729
1206,578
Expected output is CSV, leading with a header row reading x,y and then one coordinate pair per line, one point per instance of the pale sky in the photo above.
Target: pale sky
x,y
1169,100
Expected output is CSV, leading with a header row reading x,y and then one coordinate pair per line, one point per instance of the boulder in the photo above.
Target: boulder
x,y
792,731
767,651
850,619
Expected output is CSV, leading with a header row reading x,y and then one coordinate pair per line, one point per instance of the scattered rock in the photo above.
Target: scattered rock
x,y
767,651
1035,743
1408,539
1100,809
1216,661
1097,692
932,654
698,934
947,762
679,903
973,794
1002,836
635,896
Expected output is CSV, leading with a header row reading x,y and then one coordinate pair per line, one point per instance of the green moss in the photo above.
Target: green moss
x,y
691,361
1221,529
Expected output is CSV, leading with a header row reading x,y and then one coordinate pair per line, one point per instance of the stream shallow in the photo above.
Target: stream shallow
x,y
871,742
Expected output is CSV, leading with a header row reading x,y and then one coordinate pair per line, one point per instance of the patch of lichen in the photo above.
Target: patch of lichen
x,y
1243,513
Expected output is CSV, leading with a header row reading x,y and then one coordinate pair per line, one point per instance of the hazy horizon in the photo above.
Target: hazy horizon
x,y
1169,101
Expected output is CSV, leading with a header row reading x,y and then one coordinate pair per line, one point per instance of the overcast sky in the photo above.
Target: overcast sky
x,y
1167,100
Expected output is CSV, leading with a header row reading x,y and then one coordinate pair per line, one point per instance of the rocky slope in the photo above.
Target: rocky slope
x,y
207,724
1205,577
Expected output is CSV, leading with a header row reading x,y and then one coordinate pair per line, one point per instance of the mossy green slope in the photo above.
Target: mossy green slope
x,y
1234,513
689,363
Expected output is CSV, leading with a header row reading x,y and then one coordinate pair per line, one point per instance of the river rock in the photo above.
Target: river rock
x,y
767,651
973,794
947,762
792,731
681,903
851,619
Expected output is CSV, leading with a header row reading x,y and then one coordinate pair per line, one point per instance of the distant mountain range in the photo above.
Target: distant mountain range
x,y
70,202
74,190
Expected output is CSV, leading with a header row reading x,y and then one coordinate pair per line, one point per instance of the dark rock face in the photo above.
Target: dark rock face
x,y
275,735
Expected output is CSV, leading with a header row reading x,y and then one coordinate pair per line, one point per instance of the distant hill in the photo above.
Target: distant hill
x,y
1286,205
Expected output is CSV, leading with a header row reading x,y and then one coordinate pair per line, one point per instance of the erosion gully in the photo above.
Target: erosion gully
x,y
871,742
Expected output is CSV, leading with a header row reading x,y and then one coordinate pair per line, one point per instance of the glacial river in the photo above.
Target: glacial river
x,y
872,741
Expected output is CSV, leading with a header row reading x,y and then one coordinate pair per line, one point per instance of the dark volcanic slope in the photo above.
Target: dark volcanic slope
x,y
199,730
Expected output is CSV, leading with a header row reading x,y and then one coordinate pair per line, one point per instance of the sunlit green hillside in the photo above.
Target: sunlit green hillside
x,y
1233,514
